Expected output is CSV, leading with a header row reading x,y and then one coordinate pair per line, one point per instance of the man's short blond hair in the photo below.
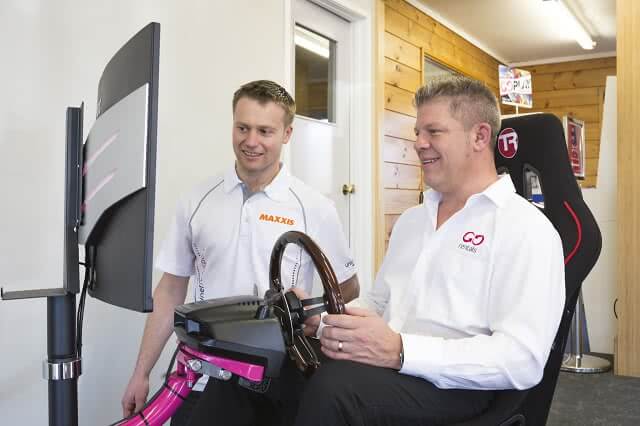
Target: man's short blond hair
x,y
470,101
265,91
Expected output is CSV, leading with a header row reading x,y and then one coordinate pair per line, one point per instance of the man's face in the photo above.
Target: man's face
x,y
443,147
258,135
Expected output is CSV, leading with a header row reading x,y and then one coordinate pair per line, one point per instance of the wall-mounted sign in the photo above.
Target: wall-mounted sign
x,y
515,87
574,134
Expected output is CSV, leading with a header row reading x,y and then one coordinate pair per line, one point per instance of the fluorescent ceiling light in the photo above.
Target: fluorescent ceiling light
x,y
571,24
311,41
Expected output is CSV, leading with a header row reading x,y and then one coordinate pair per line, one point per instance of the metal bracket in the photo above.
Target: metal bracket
x,y
209,369
62,370
32,294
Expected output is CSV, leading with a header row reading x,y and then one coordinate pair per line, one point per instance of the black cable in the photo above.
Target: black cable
x,y
173,359
155,395
80,314
140,413
89,275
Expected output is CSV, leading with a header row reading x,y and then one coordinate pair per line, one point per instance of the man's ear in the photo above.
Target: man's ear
x,y
482,137
287,134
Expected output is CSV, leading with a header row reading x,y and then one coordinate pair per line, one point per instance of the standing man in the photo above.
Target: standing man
x,y
470,294
224,230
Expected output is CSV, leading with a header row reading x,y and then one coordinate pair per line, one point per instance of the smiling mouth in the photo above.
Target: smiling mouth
x,y
428,161
251,154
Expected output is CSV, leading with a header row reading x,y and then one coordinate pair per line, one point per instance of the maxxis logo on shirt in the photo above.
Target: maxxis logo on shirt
x,y
277,219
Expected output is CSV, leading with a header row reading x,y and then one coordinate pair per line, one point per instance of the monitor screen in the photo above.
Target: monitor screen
x,y
118,175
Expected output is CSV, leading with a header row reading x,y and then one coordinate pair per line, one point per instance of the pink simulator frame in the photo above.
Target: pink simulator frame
x,y
178,385
291,315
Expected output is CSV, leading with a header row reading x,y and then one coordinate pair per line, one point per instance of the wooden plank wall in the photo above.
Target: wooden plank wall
x,y
627,349
439,43
402,75
576,89
409,36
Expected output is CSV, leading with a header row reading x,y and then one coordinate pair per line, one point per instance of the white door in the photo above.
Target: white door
x,y
320,142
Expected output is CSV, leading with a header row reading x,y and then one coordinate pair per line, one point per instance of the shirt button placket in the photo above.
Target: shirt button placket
x,y
244,220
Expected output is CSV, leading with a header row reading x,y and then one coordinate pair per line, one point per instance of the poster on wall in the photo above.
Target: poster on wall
x,y
574,134
515,87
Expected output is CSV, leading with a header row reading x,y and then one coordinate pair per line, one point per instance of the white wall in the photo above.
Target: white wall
x,y
599,289
52,56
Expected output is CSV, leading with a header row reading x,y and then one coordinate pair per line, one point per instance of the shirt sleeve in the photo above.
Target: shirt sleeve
x,y
176,254
377,298
330,237
525,307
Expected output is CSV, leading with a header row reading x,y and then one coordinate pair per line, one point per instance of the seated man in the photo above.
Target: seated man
x,y
470,294
467,301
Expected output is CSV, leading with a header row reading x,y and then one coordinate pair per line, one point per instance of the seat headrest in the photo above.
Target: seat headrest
x,y
536,144
537,141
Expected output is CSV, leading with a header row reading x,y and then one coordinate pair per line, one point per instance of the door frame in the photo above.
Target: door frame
x,y
361,141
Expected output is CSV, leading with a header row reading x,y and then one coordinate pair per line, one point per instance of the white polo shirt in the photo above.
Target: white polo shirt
x,y
224,238
479,300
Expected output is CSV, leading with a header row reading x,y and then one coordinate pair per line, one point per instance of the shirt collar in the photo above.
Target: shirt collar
x,y
231,179
498,192
277,190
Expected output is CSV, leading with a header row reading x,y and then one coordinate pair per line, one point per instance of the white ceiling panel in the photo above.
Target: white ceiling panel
x,y
517,31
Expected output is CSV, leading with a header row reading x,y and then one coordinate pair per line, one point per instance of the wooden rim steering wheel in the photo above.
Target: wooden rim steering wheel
x,y
290,310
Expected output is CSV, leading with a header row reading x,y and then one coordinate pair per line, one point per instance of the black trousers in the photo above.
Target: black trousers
x,y
339,393
183,414
232,404
349,393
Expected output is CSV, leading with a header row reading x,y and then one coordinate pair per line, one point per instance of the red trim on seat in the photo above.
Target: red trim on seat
x,y
579,228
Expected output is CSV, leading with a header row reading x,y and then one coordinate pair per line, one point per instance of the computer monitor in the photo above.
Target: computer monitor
x,y
118,176
109,207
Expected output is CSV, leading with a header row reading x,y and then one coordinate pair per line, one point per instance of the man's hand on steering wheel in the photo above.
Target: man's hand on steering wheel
x,y
363,336
312,323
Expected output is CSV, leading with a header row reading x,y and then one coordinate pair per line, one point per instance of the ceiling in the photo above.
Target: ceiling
x,y
522,31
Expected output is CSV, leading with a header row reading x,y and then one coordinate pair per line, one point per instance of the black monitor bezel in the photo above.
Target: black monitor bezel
x,y
134,65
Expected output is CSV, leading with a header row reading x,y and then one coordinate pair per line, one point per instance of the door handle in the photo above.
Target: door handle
x,y
348,189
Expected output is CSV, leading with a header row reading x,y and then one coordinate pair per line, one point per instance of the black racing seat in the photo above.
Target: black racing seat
x,y
539,149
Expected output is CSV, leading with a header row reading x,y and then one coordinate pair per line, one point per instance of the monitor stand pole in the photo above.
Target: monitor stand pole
x,y
62,367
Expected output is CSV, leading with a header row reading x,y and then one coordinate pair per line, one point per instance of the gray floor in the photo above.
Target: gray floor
x,y
595,399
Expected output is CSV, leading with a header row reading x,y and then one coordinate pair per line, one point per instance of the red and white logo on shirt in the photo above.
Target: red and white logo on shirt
x,y
471,241
473,238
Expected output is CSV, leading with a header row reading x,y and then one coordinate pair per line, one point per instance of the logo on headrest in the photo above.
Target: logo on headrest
x,y
508,143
